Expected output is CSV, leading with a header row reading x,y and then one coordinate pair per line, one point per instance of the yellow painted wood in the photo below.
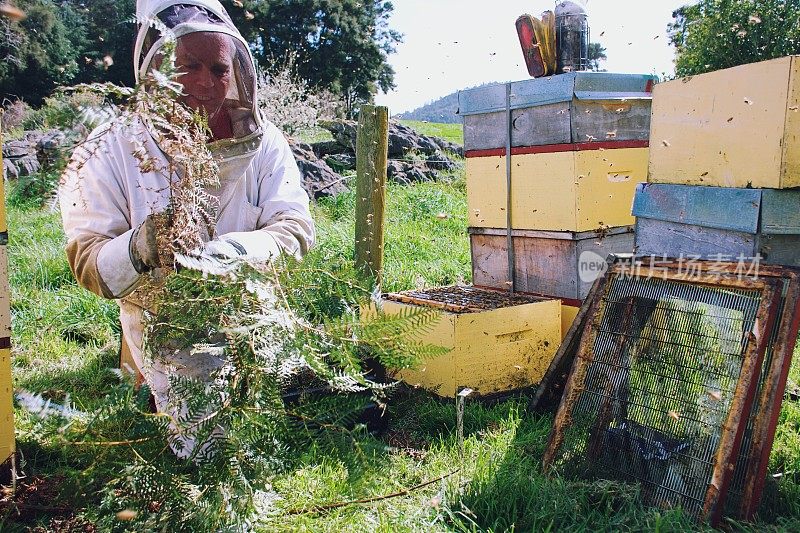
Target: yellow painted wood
x,y
563,191
736,127
7,443
791,145
607,182
493,351
439,372
7,440
568,314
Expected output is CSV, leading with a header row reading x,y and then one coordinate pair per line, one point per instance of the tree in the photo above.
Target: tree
x,y
63,43
597,53
107,50
717,34
340,45
38,52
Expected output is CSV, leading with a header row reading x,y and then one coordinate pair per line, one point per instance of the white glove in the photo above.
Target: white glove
x,y
254,244
216,256
223,248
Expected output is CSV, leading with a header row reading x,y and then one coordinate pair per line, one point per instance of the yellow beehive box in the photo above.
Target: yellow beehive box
x,y
568,314
576,190
490,351
736,127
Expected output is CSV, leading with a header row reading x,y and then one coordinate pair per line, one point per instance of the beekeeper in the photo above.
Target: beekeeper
x,y
107,201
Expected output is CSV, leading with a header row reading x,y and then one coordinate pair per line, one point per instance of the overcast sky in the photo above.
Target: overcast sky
x,y
453,44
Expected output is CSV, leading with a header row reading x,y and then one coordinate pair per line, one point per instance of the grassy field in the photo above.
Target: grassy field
x,y
450,132
65,339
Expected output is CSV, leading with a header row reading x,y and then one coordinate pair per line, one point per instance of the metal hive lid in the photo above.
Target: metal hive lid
x,y
553,89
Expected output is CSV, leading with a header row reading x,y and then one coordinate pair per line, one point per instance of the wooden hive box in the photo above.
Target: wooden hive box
x,y
718,223
569,310
568,108
736,127
492,350
577,190
556,264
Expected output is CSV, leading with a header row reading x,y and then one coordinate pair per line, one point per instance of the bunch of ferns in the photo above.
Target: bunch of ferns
x,y
300,355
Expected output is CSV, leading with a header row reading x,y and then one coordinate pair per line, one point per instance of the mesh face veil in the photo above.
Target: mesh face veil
x,y
218,72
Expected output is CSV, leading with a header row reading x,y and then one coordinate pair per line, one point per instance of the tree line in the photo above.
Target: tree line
x,y
340,45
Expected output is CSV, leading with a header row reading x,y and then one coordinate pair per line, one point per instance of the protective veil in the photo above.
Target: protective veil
x,y
105,196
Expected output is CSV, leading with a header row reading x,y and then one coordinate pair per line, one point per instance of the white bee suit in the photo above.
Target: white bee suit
x,y
105,195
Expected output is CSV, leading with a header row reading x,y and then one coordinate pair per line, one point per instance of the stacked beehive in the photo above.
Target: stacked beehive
x,y
725,156
578,146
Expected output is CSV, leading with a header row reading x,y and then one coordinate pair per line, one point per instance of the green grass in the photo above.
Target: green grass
x,y
450,132
314,135
65,338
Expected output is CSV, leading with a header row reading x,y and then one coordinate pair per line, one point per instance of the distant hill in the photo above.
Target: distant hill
x,y
444,110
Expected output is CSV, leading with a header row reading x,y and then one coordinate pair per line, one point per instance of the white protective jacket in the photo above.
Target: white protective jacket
x,y
105,196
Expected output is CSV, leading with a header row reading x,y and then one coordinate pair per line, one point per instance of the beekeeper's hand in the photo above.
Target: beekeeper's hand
x,y
143,247
258,245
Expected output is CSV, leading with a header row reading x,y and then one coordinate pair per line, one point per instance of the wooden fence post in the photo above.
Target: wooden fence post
x,y
372,152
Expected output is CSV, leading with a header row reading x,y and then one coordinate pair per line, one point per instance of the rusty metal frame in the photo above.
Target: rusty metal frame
x,y
768,404
584,332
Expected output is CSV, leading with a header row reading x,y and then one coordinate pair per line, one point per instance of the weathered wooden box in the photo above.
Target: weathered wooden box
x,y
718,223
556,264
574,190
737,127
577,107
497,343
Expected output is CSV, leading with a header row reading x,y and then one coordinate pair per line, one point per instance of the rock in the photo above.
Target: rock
x,y
405,148
48,148
324,148
447,146
17,149
23,154
406,172
343,131
319,179
27,166
341,162
10,171
440,161
402,139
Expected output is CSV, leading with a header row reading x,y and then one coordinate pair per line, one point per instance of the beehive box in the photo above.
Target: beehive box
x,y
554,264
497,343
568,108
736,127
581,190
718,223
568,313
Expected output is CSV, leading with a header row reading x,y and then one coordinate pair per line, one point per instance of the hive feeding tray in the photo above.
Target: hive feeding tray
x,y
676,383
497,341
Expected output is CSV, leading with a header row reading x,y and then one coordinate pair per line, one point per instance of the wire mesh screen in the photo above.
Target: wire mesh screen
x,y
653,386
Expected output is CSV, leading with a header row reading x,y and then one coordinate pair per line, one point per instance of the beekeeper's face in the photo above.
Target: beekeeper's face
x,y
206,60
